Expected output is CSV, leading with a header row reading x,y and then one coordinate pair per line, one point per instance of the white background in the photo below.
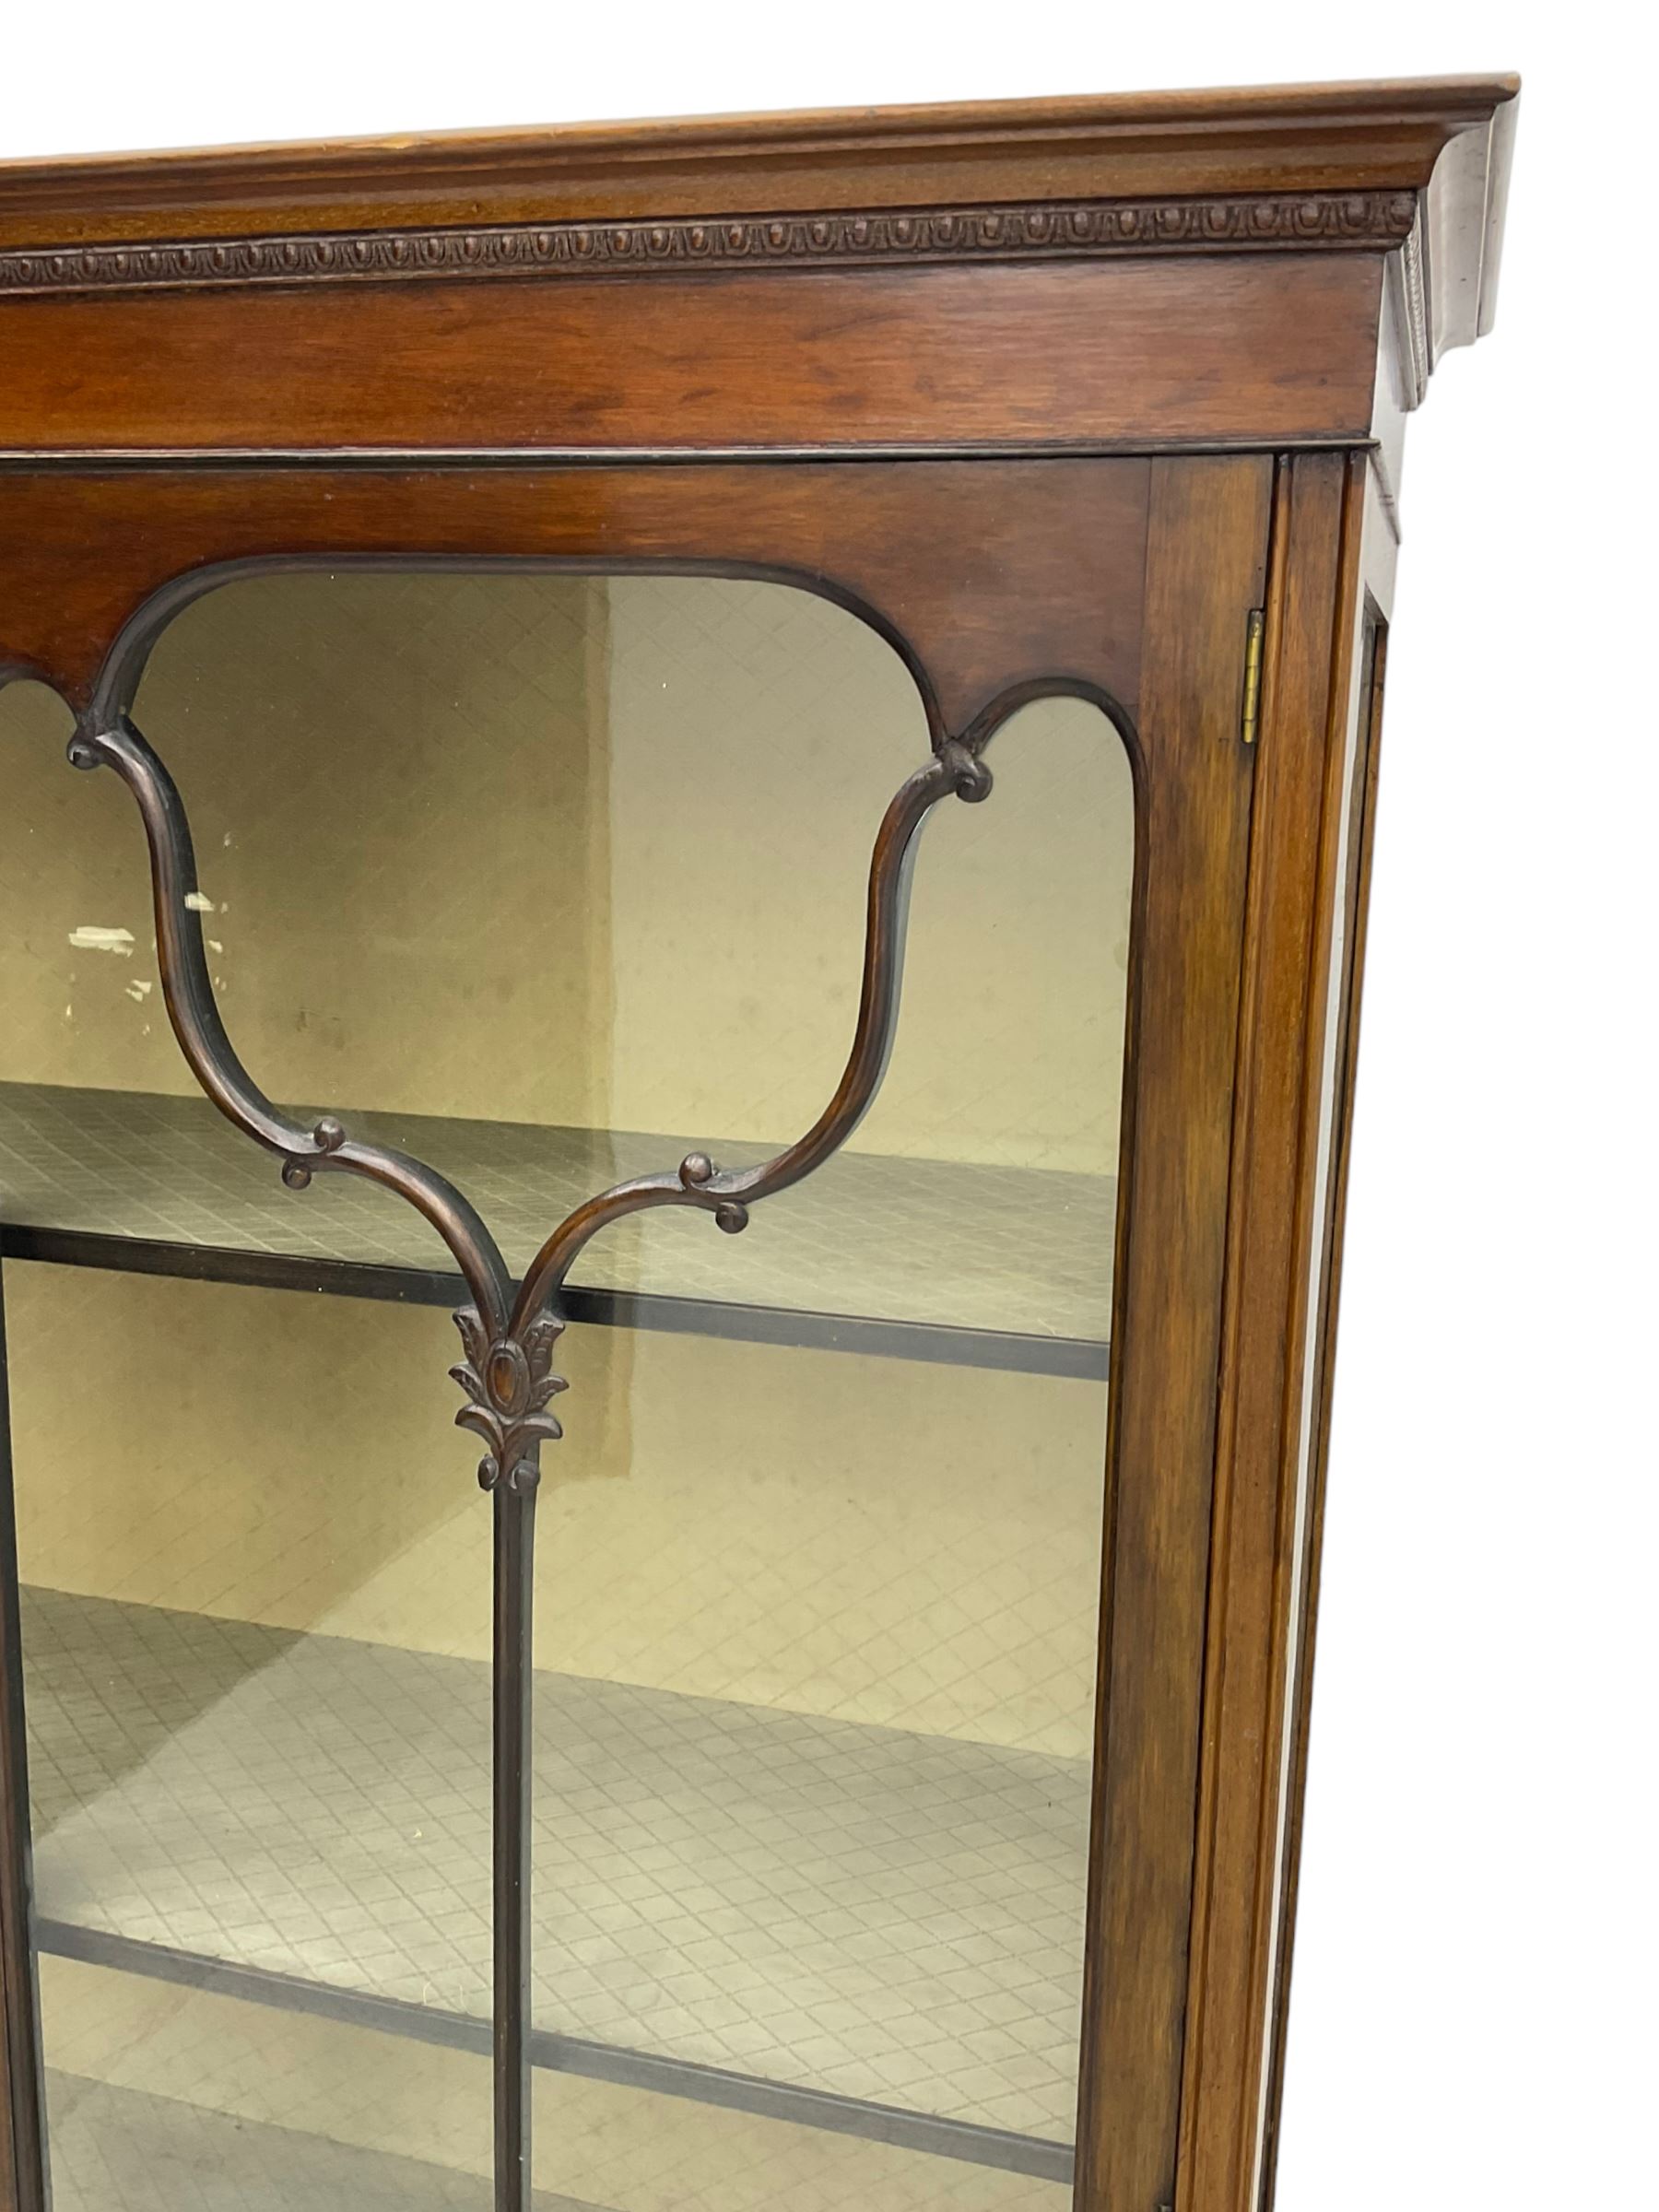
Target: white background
x,y
1471,2021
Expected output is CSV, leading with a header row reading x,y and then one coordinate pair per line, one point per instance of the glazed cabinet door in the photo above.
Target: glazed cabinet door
x,y
487,895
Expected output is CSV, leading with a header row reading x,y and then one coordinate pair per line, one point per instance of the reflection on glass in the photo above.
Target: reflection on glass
x,y
552,879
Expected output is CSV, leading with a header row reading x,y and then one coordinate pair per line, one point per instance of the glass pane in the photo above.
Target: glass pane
x,y
162,2096
548,878
255,1614
552,879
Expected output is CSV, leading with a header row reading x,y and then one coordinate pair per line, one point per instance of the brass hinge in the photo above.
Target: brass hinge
x,y
1251,714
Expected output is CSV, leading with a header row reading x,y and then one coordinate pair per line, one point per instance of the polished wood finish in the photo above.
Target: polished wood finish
x,y
1303,138
1278,1212
1205,559
1272,348
1244,235
1355,896
988,576
1055,396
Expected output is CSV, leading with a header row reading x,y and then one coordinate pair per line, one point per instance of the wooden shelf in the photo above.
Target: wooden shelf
x,y
922,1259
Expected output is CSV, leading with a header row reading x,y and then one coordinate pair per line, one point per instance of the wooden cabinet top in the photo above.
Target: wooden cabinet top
x,y
1417,167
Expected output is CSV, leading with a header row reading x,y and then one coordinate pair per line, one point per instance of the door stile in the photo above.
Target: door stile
x,y
1278,1210
25,2185
1205,565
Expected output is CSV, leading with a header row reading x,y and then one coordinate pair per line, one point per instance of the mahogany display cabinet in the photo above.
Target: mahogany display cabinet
x,y
516,602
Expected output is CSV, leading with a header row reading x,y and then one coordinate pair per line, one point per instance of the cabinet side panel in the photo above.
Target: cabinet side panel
x,y
1205,569
1355,895
1264,1458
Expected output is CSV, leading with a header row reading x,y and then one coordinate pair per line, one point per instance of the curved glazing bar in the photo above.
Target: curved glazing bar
x,y
194,1013
727,1193
508,1342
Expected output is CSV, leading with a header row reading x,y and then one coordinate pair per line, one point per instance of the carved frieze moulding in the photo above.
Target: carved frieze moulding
x,y
1375,221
